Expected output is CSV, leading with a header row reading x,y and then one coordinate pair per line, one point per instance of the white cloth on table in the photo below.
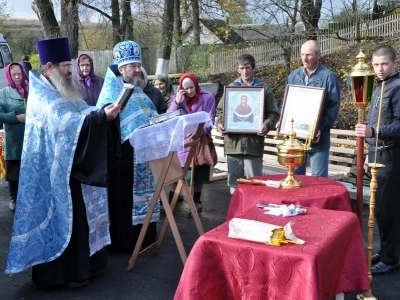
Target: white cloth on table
x,y
285,211
156,141
259,232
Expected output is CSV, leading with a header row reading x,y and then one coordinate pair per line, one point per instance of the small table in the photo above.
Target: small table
x,y
330,262
316,192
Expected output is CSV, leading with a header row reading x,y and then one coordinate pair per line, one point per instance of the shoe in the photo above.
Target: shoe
x,y
76,284
382,269
11,206
94,274
199,206
375,259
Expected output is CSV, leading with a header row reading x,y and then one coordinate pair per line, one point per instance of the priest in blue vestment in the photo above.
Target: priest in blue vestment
x,y
61,221
131,186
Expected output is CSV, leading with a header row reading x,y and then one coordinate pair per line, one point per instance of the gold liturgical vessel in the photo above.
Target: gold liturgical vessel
x,y
291,154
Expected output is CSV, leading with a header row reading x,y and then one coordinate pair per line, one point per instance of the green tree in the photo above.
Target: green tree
x,y
23,42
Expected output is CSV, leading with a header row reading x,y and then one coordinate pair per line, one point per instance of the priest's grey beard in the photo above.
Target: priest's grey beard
x,y
135,80
64,86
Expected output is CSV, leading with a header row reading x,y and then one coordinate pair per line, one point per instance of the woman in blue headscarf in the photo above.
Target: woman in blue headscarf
x,y
88,83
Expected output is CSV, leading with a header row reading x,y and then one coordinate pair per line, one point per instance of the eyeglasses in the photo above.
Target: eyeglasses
x,y
67,66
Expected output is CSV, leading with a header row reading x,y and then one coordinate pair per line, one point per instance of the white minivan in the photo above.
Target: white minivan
x,y
5,59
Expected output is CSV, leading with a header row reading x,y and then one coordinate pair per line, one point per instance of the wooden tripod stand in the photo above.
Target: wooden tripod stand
x,y
166,171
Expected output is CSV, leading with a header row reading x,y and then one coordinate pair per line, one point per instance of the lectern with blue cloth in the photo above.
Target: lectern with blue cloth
x,y
158,144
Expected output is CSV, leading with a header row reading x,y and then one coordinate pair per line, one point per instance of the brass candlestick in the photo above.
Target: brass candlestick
x,y
373,187
291,154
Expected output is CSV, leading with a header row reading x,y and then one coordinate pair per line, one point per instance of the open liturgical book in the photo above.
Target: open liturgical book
x,y
125,95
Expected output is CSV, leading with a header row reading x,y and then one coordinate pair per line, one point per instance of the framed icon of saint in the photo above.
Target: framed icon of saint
x,y
243,109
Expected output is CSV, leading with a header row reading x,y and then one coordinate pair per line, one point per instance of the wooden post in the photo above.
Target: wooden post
x,y
373,187
360,167
359,180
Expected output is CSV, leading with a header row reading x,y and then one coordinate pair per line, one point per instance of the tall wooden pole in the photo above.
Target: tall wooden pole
x,y
362,83
373,187
360,167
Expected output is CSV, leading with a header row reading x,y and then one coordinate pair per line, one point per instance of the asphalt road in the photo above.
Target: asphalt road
x,y
155,275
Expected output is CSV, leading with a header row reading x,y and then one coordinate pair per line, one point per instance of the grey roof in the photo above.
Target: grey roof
x,y
253,33
221,30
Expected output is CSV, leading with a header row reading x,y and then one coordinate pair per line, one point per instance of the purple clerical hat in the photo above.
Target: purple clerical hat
x,y
54,50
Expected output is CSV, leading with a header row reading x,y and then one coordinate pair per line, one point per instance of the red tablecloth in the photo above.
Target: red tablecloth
x,y
331,261
316,192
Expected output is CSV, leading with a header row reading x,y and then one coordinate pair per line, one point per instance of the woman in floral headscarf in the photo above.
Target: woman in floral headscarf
x,y
161,81
12,115
88,83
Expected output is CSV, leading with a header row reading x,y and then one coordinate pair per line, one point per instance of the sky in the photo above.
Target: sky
x,y
22,9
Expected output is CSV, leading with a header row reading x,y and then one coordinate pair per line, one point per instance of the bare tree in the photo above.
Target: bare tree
x,y
166,40
127,21
383,7
70,23
3,14
310,12
281,18
196,22
177,23
115,20
44,11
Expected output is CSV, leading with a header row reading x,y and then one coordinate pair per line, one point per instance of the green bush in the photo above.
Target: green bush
x,y
348,116
35,61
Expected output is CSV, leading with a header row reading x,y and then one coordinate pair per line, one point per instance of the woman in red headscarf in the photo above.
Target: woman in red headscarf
x,y
12,115
191,98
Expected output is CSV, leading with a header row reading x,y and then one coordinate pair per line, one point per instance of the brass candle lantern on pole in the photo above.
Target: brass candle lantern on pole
x,y
362,86
373,187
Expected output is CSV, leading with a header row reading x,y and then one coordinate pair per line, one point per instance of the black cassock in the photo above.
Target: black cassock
x,y
96,145
120,204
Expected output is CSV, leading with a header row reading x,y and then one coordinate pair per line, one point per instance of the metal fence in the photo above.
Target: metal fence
x,y
223,59
271,53
103,58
